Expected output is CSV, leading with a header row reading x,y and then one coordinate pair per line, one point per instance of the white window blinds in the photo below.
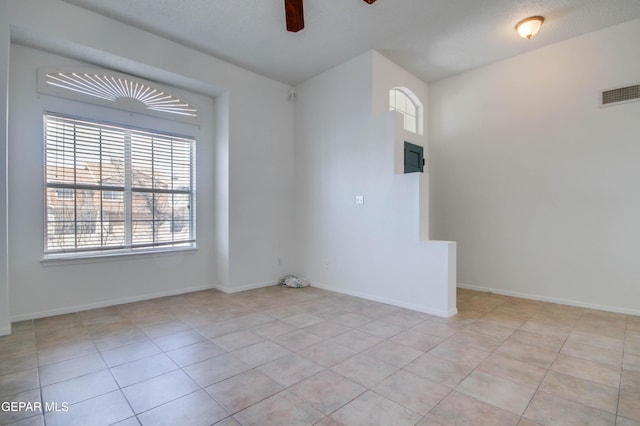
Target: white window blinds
x,y
111,187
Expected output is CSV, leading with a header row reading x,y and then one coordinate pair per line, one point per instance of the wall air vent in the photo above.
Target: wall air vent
x,y
620,95
117,90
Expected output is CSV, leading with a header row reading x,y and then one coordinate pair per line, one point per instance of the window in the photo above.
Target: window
x,y
112,195
65,193
111,187
401,100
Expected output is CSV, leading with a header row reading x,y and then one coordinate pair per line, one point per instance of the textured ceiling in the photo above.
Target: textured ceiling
x,y
431,38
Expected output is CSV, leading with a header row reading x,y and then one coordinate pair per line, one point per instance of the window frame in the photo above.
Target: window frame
x,y
129,191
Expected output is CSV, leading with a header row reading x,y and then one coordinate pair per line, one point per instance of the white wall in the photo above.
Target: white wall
x,y
254,194
536,183
343,150
388,75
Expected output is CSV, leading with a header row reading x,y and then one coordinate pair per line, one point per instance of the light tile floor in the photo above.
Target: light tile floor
x,y
280,356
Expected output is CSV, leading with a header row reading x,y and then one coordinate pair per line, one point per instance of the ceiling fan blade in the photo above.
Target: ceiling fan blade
x,y
370,1
294,14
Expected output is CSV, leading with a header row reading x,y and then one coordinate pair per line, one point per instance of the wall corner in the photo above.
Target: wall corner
x,y
5,45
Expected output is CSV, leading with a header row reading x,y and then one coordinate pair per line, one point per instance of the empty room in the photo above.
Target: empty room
x,y
319,212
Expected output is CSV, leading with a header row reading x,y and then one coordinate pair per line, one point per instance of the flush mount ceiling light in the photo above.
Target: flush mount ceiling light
x,y
528,27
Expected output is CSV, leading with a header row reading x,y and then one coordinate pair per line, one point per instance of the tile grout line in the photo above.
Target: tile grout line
x,y
547,372
118,384
624,346
490,353
453,389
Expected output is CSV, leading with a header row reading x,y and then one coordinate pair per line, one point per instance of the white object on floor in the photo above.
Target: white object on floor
x,y
294,282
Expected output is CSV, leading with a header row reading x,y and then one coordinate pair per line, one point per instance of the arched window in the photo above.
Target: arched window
x,y
406,103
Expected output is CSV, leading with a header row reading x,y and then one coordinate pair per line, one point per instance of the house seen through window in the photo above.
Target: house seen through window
x,y
112,195
111,187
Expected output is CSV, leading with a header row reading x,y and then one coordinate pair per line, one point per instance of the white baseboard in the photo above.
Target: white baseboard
x,y
560,301
393,302
231,290
5,331
85,307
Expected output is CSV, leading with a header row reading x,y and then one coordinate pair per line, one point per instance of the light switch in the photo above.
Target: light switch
x,y
359,200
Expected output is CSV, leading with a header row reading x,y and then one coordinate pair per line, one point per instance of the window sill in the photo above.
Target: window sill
x,y
116,255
